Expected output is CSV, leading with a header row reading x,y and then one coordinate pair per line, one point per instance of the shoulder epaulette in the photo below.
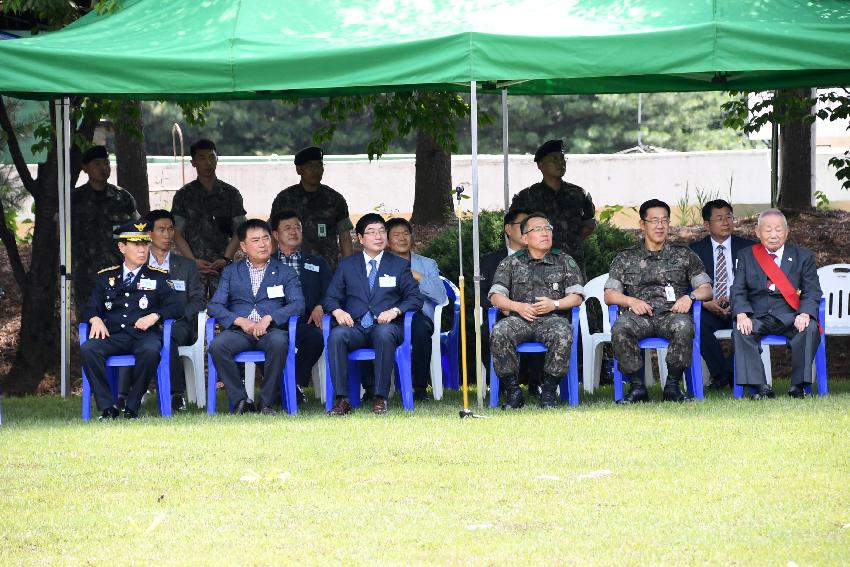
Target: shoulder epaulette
x,y
109,268
555,251
518,254
158,269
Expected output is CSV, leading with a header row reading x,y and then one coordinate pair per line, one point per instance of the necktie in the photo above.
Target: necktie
x,y
720,277
129,279
367,319
770,284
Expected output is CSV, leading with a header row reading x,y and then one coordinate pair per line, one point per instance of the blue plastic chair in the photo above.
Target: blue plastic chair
x,y
287,386
163,372
820,356
569,384
403,369
693,374
450,340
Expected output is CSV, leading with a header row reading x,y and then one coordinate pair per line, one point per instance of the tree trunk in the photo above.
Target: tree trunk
x,y
130,156
432,203
795,147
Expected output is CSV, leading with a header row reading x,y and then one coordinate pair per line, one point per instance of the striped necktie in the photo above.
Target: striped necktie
x,y
368,319
721,284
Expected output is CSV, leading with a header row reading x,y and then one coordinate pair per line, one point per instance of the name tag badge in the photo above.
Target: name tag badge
x,y
669,293
386,281
311,267
323,230
274,291
555,286
179,285
145,283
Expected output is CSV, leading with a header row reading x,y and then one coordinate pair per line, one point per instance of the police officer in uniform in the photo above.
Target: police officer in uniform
x,y
124,311
650,281
538,286
568,206
324,212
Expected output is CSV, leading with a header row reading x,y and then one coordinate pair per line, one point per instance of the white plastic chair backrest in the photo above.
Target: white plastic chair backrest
x,y
594,288
454,288
835,284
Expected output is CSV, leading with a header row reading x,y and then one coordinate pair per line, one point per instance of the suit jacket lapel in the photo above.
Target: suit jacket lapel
x,y
788,259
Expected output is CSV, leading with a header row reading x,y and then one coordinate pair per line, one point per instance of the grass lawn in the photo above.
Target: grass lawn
x,y
721,482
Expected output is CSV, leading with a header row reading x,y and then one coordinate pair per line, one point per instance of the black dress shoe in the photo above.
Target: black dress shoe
x,y
719,383
122,401
300,396
109,414
178,403
130,414
268,410
244,406
764,392
797,391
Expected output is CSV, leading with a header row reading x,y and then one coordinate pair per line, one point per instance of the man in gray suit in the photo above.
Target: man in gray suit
x,y
184,278
776,291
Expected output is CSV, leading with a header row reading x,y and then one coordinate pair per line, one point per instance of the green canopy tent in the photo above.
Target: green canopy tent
x,y
243,49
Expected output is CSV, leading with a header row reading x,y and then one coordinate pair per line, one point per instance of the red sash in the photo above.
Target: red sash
x,y
791,295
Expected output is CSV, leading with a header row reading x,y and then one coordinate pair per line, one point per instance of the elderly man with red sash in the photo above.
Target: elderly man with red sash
x,y
776,291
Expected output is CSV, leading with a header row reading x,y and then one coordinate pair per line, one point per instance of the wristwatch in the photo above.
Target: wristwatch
x,y
693,297
557,304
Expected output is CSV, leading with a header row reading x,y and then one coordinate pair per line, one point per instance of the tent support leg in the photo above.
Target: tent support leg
x,y
476,271
63,161
505,146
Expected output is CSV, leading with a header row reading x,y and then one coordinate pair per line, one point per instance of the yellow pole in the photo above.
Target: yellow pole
x,y
463,345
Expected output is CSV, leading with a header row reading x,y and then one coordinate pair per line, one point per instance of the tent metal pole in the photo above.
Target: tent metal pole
x,y
774,163
505,145
476,267
63,161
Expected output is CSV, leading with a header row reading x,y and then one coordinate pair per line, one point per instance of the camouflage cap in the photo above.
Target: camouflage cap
x,y
133,231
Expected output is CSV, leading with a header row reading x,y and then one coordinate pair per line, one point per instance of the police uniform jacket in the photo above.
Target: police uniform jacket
x,y
120,305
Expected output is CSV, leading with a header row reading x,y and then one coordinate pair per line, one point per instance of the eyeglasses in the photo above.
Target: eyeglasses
x,y
540,228
657,221
372,232
724,218
288,227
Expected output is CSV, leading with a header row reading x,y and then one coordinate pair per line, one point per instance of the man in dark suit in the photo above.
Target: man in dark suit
x,y
253,303
776,292
124,311
315,275
368,296
719,254
185,280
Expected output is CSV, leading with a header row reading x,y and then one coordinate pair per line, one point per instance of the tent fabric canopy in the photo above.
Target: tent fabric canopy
x,y
243,49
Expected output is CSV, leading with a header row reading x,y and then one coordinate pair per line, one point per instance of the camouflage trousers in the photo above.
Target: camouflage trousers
x,y
678,328
209,283
553,331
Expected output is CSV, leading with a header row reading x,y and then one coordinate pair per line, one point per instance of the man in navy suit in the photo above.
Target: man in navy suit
x,y
776,292
315,275
253,303
719,254
368,296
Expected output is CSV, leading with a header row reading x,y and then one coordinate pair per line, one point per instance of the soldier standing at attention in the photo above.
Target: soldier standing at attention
x,y
569,207
323,211
206,214
97,208
538,285
651,281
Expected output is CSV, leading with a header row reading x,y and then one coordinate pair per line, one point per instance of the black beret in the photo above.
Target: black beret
x,y
95,152
548,148
133,230
308,154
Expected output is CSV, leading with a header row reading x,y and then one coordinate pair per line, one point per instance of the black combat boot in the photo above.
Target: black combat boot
x,y
637,390
513,394
548,398
672,391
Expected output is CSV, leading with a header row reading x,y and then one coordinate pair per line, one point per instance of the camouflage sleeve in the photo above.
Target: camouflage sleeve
x,y
573,279
236,207
343,220
615,274
696,270
588,212
520,200
131,210
502,279
178,209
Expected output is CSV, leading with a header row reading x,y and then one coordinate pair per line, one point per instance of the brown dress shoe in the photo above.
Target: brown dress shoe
x,y
379,405
341,406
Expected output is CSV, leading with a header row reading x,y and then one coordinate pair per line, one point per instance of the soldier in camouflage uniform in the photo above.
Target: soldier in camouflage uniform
x,y
538,285
206,214
97,208
323,211
568,206
651,280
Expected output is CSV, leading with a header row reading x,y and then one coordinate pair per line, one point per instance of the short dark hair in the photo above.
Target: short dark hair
x,y
242,229
158,214
202,144
511,215
398,221
366,220
529,217
283,215
715,204
652,204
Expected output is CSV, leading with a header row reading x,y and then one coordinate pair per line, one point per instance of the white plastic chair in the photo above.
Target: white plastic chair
x,y
835,283
765,357
193,365
591,344
436,357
